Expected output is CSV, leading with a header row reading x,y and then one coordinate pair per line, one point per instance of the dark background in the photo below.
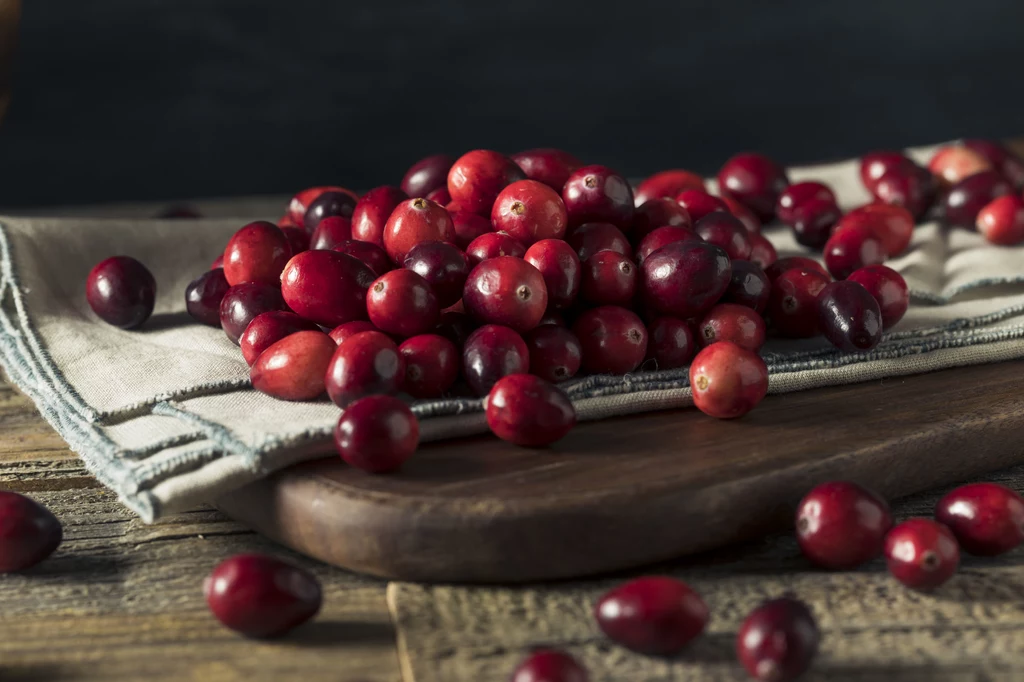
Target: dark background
x,y
162,99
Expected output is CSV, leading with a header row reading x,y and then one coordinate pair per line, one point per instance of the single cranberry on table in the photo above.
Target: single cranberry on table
x,y
550,166
654,615
326,287
555,353
529,211
507,291
329,204
876,164
778,640
298,239
1007,163
1002,221
493,245
748,286
609,278
889,290
331,232
456,327
657,213
952,163
349,329
755,180
735,323
797,195
671,343
549,665
613,340
560,267
597,194
727,381
293,368
851,248
699,203
590,238
685,279
426,175
431,365
795,263
744,214
412,222
372,212
793,303
921,553
439,196
402,303
299,203
29,532
367,363
268,328
726,231
443,266
813,220
964,200
490,353
468,226
667,184
893,225
243,302
663,236
913,188
986,518
121,291
841,525
477,178
528,411
370,255
849,316
377,434
762,252
203,296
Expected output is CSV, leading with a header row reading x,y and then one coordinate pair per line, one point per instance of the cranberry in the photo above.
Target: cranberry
x,y
377,434
218,262
663,236
849,316
366,363
493,245
477,177
328,204
755,180
953,163
893,225
300,202
256,253
529,211
792,305
655,615
469,226
560,267
431,365
684,279
402,303
876,164
268,328
203,296
412,222
613,339
748,286
298,239
657,213
813,220
550,166
490,353
179,212
593,237
852,247
698,203
667,185
331,232
912,189
609,278
921,553
841,525
293,367
29,532
443,266
121,291
966,198
326,287
552,317
671,343
528,411
761,251
745,215
725,231
1002,159
261,596
549,665
456,327
597,194
370,255
243,302
798,194
889,290
555,353
736,323
986,518
778,640
373,210
439,196
426,175
1002,220
727,381
795,263
286,221
506,291
343,332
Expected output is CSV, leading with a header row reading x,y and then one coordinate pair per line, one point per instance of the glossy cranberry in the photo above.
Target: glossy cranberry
x,y
402,303
431,365
657,213
298,239
490,353
343,332
29,532
443,266
469,226
328,204
1002,220
293,367
528,411
261,596
179,212
851,248
268,328
921,553
506,291
755,180
727,381
813,220
762,252
256,253
477,177
203,296
953,163
778,640
698,203
893,225
597,194
613,340
797,195
663,236
550,166
121,291
735,323
684,279
671,343
876,164
793,306
377,434
912,189
609,278
529,211
366,363
667,184
218,262
841,525
591,238
655,615
439,196
1008,164
412,222
555,353
426,175
986,518
745,215
493,245
330,232
795,263
299,203
370,255
243,302
726,231
889,290
549,665
326,287
560,267
965,199
373,210
748,286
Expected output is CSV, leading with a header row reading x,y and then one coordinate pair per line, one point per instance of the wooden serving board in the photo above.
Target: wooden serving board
x,y
630,491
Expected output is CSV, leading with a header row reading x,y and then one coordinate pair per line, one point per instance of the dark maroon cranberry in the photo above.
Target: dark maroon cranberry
x,y
795,263
613,340
778,640
876,164
597,194
662,236
813,220
889,290
469,226
490,353
243,302
667,184
268,328
370,255
793,303
748,286
549,665
921,553
298,239
986,518
344,331
431,365
555,353
735,323
377,434
841,525
550,166
456,327
179,212
671,343
402,303
684,279
593,237
29,532
1002,220
655,615
725,231
331,232
698,203
755,180
300,203
293,368
745,215
261,596
326,287
893,225
851,248
506,291
330,203
493,245
121,291
912,189
528,411
554,317
560,267
426,175
529,211
373,210
609,278
966,198
1002,159
203,296
439,196
366,363
657,213
799,193
727,381
762,252
256,253
415,221
952,163
443,266
849,316
477,178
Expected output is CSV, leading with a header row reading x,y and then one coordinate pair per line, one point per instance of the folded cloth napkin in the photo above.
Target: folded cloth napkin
x,y
166,418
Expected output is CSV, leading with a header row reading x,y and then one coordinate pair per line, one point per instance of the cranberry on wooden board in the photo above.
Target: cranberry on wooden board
x,y
366,363
468,226
507,291
597,194
762,252
657,213
426,175
493,245
372,212
778,640
813,220
412,222
443,266
293,368
456,327
965,199
893,225
744,214
748,286
326,287
243,302
301,201
203,296
1002,221
609,278
795,263
684,279
529,211
876,164
912,188
671,343
798,194
613,340
370,255
261,596
921,553
793,303
328,204
377,434
851,248
662,236
1008,164
841,525
550,166
528,411
549,665
986,518
654,615
349,329
440,196
477,177
29,532
590,238
490,353
698,203
736,323
431,365
331,232
667,184
727,381
889,290
560,267
402,303
268,328
726,231
953,163
298,239
849,316
755,180
121,291
555,353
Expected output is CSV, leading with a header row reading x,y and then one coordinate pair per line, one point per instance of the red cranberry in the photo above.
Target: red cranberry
x,y
218,262
658,213
456,327
667,185
965,199
243,302
415,221
550,166
893,225
490,353
889,290
876,164
745,215
1002,220
203,296
29,532
613,340
366,363
506,291
748,286
343,332
268,328
853,247
671,343
609,278
684,279
698,203
256,253
370,255
261,596
326,287
986,518
798,194
912,189
663,236
792,305
560,267
778,640
377,434
331,232
529,211
736,323
654,615
921,553
293,367
813,220
727,381
953,163
477,178
725,231
121,291
1009,165
402,303
431,365
426,175
762,252
439,196
549,665
526,410
597,194
469,226
286,221
755,180
555,353
841,525
373,210
443,266
493,245
300,202
593,237
329,204
795,263
298,239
